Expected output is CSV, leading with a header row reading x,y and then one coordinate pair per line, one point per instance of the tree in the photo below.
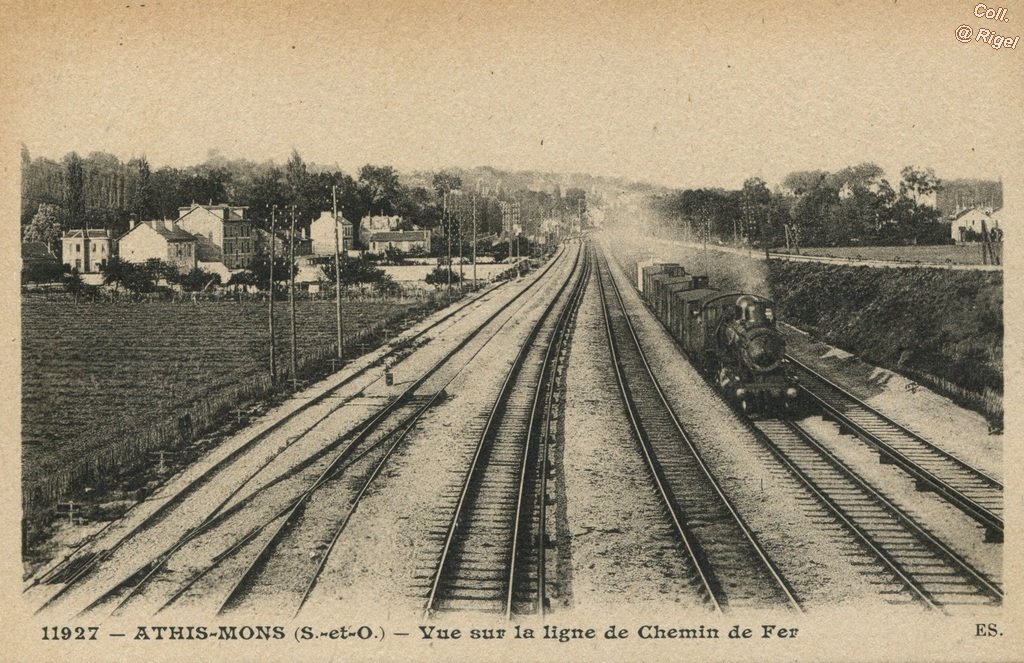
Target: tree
x,y
73,283
115,271
261,270
440,276
755,207
380,187
74,193
46,226
356,270
198,280
446,182
243,278
802,181
918,183
395,256
45,271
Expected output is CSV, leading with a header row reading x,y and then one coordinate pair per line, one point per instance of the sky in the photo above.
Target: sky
x,y
682,94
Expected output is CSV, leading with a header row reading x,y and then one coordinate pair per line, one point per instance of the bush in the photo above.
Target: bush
x,y
42,272
440,276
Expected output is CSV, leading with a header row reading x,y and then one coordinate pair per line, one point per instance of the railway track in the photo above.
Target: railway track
x,y
493,553
969,489
729,568
927,569
122,584
284,559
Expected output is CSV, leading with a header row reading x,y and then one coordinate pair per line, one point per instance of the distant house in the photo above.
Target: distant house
x,y
303,245
87,250
966,226
222,233
159,240
409,241
322,233
374,224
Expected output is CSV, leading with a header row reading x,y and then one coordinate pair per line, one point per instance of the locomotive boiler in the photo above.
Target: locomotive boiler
x,y
733,336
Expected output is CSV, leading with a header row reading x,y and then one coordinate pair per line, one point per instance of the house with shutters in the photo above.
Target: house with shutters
x,y
87,250
222,233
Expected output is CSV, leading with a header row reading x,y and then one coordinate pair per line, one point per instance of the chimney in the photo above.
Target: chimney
x,y
132,222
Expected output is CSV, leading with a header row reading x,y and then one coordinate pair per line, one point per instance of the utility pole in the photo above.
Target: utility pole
x,y
273,238
707,233
446,215
474,241
579,213
460,215
291,297
337,273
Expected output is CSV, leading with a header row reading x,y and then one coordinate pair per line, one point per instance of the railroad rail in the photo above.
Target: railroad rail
x,y
492,558
282,549
730,568
74,573
924,566
969,489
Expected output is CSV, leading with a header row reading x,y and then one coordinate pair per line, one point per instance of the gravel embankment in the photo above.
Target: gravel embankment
x,y
393,542
959,431
622,550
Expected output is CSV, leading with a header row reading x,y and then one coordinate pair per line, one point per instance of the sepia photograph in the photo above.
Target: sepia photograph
x,y
453,330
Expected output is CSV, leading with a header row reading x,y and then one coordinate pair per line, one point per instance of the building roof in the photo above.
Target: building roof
x,y
326,216
984,211
165,229
401,236
232,210
101,234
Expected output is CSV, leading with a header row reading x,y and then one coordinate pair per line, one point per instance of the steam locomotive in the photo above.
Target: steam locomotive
x,y
731,336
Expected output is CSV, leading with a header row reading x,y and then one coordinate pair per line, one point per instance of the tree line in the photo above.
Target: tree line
x,y
854,206
101,191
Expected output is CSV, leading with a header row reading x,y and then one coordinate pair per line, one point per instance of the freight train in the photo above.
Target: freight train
x,y
731,336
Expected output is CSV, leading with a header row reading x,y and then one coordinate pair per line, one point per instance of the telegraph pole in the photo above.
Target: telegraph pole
x,y
273,225
337,273
461,213
446,214
474,241
291,297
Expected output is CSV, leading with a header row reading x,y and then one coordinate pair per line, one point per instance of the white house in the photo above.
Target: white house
x,y
161,240
966,226
409,241
87,250
321,231
375,224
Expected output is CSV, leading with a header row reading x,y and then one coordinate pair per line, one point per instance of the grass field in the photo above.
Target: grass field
x,y
956,254
94,373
